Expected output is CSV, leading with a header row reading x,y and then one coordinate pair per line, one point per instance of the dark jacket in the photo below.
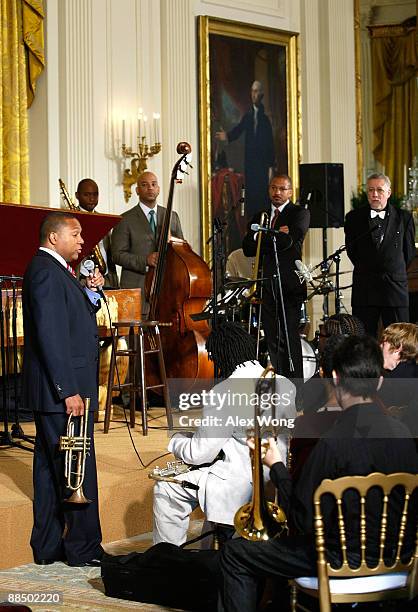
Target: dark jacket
x,y
61,341
289,247
361,441
379,275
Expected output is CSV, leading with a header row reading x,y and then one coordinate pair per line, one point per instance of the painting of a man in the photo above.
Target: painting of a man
x,y
248,126
259,155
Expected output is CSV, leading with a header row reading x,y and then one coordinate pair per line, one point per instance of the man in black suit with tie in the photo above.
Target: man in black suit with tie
x,y
60,368
380,243
291,223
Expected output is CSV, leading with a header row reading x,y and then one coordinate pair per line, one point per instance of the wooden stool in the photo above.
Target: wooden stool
x,y
136,332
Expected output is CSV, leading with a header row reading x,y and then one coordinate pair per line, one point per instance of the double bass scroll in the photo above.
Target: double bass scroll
x,y
180,286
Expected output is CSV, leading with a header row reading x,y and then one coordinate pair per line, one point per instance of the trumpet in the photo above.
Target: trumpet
x,y
260,519
76,448
96,254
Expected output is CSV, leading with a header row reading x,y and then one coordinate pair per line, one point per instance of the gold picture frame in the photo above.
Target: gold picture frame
x,y
232,56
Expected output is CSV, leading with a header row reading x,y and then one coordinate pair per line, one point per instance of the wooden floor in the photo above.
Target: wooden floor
x,y
125,491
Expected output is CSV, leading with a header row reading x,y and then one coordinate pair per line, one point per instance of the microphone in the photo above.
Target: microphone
x,y
90,266
303,271
269,230
242,200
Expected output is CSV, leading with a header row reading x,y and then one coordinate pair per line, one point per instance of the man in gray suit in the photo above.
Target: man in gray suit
x,y
135,238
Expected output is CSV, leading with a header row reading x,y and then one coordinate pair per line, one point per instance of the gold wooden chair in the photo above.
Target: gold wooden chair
x,y
362,583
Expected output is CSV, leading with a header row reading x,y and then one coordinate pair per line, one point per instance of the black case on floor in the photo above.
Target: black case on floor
x,y
166,575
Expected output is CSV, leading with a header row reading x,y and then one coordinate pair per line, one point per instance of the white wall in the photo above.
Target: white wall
x,y
105,58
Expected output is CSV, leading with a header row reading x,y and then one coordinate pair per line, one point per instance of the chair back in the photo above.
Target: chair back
x,y
362,485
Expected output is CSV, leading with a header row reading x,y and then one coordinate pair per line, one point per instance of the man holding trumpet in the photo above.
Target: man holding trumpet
x,y
60,369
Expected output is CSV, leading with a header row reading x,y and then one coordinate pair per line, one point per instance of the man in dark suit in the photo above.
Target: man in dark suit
x,y
259,153
380,243
87,195
291,223
135,238
60,368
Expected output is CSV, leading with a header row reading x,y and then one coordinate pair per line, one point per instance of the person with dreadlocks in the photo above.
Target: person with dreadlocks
x,y
218,454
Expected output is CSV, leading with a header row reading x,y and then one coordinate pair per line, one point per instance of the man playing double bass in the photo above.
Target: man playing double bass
x,y
135,238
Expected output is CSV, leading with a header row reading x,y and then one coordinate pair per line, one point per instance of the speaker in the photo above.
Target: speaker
x,y
325,183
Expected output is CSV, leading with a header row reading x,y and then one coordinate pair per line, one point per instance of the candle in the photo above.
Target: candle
x,y
140,111
145,126
123,131
405,184
157,127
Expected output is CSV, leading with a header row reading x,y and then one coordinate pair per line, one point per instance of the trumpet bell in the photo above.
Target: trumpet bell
x,y
77,497
256,526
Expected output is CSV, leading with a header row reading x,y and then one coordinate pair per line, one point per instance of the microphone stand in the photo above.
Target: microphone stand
x,y
17,431
278,285
216,240
6,438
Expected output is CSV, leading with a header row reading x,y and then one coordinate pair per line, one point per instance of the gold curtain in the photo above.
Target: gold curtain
x,y
394,67
21,61
33,38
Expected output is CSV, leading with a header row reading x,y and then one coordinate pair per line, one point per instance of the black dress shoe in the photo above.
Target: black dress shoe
x,y
45,561
91,563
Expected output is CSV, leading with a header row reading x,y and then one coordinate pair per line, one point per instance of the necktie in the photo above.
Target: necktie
x,y
151,218
276,214
377,213
255,119
71,270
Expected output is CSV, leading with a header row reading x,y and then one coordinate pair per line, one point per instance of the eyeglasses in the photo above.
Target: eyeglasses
x,y
281,188
379,190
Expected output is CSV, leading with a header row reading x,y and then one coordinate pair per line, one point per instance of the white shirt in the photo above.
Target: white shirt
x,y
146,210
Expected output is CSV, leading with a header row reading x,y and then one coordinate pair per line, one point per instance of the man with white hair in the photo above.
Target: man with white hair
x,y
380,243
259,151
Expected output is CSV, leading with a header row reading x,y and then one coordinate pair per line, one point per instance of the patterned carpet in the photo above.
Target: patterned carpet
x,y
80,588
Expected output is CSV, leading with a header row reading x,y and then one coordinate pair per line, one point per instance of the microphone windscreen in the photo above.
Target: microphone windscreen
x,y
89,265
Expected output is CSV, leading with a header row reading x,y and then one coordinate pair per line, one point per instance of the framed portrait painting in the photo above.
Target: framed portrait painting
x,y
249,121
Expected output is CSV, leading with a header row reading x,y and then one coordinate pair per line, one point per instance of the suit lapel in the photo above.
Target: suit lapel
x,y
391,227
72,278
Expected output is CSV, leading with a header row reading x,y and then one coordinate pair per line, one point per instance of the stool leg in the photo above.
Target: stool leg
x,y
163,376
110,384
143,383
132,375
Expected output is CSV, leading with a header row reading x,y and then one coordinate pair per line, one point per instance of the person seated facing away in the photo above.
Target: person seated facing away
x,y
362,440
225,481
314,393
315,421
87,195
399,391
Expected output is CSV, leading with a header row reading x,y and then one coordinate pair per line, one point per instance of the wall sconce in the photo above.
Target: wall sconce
x,y
147,132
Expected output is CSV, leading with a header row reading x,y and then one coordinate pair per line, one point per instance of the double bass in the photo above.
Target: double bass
x,y
178,287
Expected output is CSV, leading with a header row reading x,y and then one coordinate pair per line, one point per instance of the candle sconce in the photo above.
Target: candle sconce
x,y
138,163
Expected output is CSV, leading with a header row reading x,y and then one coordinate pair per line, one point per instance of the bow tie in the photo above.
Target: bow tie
x,y
377,213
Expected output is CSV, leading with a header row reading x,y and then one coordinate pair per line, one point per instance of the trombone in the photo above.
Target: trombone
x,y
96,254
260,519
76,448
